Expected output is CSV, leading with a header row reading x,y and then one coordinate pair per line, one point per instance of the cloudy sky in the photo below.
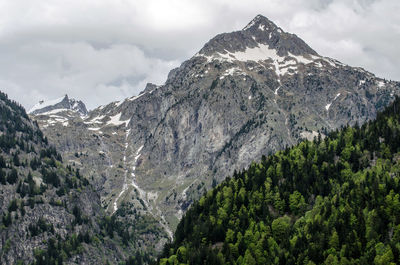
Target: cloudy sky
x,y
105,50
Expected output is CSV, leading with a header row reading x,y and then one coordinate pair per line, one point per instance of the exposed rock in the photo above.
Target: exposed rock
x,y
245,94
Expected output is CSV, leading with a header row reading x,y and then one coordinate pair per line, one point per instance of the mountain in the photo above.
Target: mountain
x,y
62,104
330,201
50,214
245,94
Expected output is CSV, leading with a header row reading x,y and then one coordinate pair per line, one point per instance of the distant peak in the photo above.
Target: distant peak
x,y
61,103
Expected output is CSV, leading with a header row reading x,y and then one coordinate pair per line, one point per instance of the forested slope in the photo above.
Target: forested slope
x,y
49,213
331,201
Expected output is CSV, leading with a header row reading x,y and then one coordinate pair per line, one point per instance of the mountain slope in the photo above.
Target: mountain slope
x,y
330,201
244,94
50,214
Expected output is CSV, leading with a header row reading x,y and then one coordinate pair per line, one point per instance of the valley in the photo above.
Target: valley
x,y
129,171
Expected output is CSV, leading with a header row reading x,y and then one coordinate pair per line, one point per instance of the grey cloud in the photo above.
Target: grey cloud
x,y
101,51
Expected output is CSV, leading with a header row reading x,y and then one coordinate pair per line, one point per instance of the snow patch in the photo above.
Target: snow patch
x,y
55,111
329,105
138,96
301,59
277,69
319,64
232,71
119,103
125,184
140,149
95,120
260,53
381,84
42,104
331,62
116,120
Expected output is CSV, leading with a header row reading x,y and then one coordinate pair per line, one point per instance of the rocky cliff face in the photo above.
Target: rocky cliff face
x,y
243,95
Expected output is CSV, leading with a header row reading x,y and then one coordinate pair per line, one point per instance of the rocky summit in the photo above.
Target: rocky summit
x,y
243,95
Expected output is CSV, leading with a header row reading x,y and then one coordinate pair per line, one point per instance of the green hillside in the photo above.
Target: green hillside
x,y
331,201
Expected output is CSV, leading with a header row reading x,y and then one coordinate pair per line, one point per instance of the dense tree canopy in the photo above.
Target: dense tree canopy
x,y
335,200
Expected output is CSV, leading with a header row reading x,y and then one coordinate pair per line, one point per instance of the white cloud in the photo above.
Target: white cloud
x,y
100,51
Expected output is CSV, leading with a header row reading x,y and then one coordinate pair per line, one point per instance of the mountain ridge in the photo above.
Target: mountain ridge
x,y
219,111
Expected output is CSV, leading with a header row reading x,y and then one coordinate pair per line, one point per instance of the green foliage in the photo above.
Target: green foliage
x,y
331,201
2,177
7,219
59,250
40,227
7,246
21,171
13,205
280,227
12,176
139,259
12,120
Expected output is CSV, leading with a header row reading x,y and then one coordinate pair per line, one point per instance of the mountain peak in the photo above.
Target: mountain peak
x,y
261,23
63,103
260,34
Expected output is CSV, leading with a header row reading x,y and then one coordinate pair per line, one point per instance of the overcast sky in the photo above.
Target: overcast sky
x,y
105,50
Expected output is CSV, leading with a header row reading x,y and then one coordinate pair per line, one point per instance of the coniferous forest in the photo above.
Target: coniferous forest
x,y
48,207
335,200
